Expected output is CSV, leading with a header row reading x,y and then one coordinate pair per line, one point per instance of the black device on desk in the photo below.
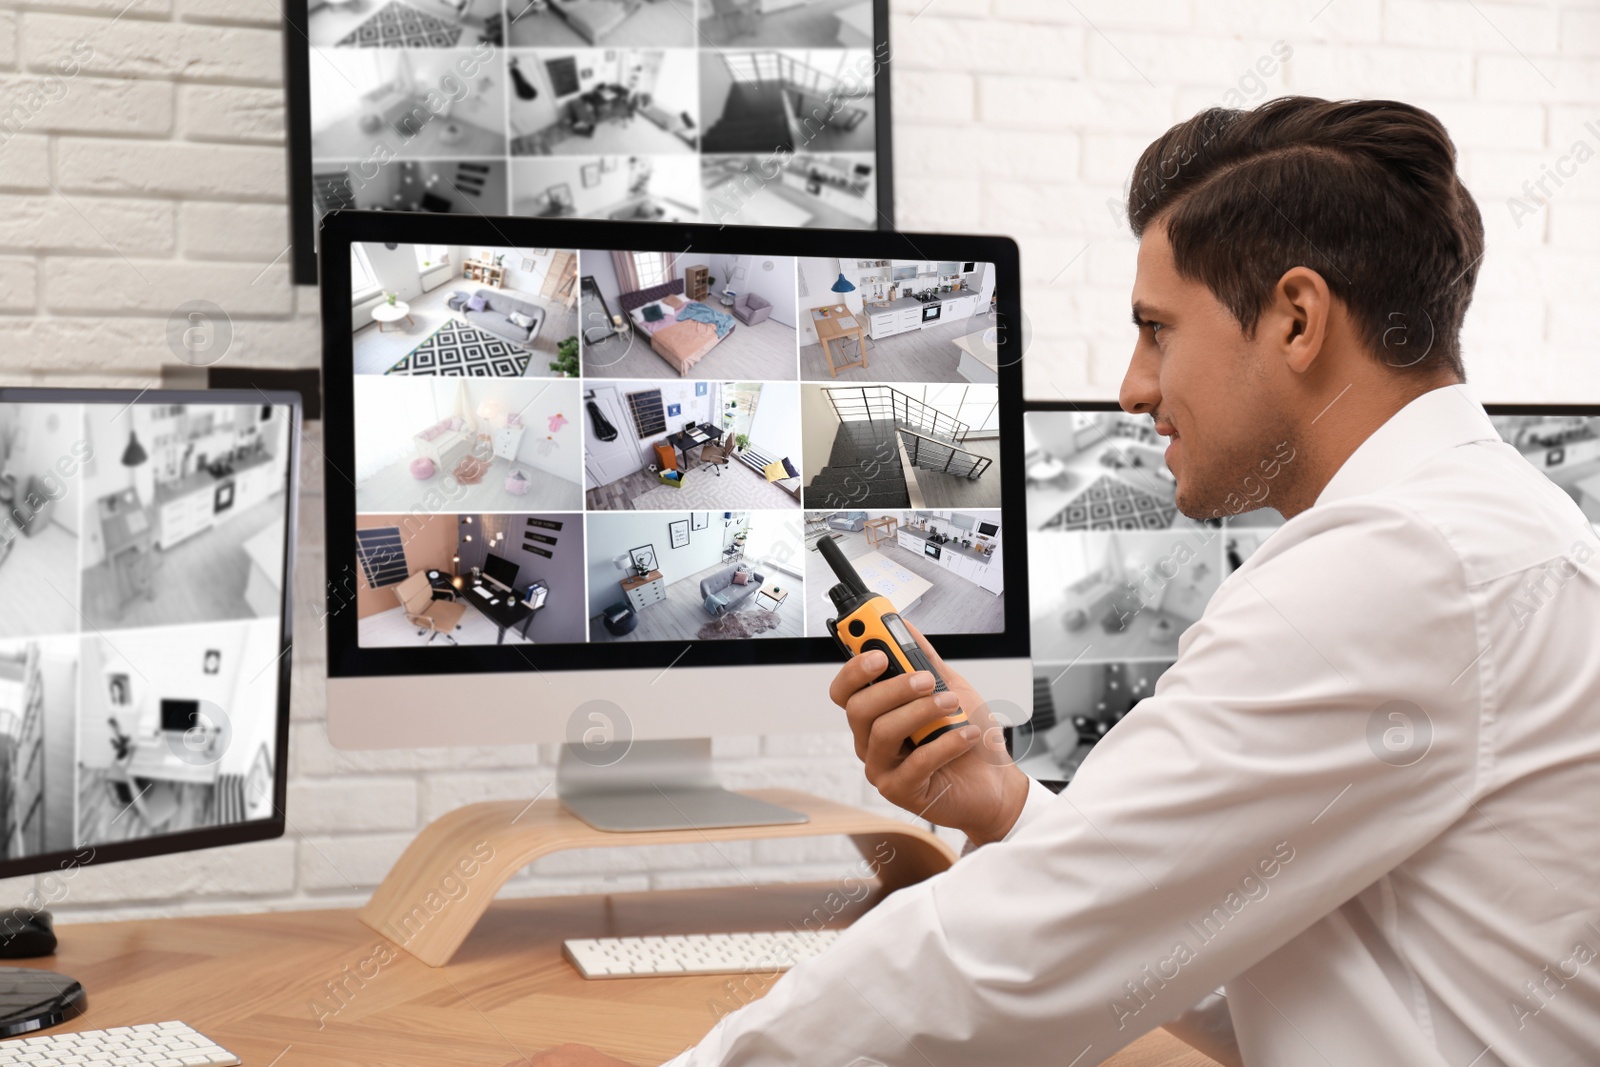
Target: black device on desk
x,y
867,621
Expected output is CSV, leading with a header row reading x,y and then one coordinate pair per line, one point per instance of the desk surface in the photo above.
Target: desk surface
x,y
251,982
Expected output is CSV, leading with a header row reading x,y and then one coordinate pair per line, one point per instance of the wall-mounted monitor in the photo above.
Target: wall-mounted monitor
x,y
767,113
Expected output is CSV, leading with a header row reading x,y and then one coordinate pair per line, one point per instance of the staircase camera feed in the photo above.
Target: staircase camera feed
x,y
672,483
1117,574
140,568
749,112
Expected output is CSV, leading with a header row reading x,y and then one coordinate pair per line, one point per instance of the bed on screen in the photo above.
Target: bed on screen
x,y
681,330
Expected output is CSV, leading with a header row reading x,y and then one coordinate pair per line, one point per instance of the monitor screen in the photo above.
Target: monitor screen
x,y
178,716
768,113
143,678
499,569
1117,573
827,401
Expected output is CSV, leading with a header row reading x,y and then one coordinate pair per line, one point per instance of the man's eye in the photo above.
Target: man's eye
x,y
1155,328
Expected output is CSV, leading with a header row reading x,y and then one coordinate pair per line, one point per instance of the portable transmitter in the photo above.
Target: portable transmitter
x,y
868,621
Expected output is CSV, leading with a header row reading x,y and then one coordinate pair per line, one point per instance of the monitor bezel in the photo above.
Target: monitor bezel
x,y
302,234
265,829
346,659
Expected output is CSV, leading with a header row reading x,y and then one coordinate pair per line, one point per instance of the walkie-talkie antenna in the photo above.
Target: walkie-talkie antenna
x,y
848,577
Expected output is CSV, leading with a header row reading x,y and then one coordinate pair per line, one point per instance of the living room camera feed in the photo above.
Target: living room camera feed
x,y
941,569
664,446
696,576
831,190
1566,448
406,24
877,320
439,580
464,311
489,444
901,446
688,315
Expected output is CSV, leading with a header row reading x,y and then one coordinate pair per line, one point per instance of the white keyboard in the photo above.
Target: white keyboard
x,y
483,592
169,1044
638,957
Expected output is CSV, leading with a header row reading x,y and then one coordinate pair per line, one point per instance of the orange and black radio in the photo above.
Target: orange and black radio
x,y
868,621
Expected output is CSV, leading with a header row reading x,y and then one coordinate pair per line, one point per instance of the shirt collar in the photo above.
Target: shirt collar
x,y
1437,420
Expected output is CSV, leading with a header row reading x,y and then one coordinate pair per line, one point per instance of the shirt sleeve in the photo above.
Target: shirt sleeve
x,y
1320,725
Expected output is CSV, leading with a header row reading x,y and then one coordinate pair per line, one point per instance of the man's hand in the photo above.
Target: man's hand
x,y
963,779
569,1056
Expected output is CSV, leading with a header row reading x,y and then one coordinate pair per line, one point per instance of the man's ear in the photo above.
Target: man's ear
x,y
1297,317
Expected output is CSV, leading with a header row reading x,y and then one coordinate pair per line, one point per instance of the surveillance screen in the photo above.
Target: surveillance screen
x,y
586,446
1117,573
141,572
756,114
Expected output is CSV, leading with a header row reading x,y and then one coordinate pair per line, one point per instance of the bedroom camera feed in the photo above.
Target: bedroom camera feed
x,y
688,315
439,580
941,569
696,576
405,24
489,444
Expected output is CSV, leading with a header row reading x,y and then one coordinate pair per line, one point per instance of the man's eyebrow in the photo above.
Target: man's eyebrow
x,y
1142,313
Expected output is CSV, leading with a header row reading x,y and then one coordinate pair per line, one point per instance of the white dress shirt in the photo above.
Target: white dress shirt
x,y
1358,820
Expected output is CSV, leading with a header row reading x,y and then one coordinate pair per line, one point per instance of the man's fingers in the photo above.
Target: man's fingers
x,y
910,779
856,674
867,706
887,734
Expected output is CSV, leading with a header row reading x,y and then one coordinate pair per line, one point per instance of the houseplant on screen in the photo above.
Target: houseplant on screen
x,y
566,361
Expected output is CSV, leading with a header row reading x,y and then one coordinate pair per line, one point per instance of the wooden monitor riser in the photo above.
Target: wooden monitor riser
x,y
441,886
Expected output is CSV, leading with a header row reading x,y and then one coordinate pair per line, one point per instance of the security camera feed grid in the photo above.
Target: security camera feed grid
x,y
760,114
141,569
1117,573
592,445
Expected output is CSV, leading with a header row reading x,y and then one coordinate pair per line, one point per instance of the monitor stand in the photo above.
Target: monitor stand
x,y
656,785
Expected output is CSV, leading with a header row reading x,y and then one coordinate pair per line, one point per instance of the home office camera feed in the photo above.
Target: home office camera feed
x,y
666,470
749,112
1117,573
141,564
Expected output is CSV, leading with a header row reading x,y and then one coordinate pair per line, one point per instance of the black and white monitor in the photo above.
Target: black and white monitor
x,y
1117,573
145,562
759,113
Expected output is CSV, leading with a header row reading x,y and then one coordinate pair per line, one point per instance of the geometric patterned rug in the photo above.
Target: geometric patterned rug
x,y
737,489
1112,504
399,25
457,350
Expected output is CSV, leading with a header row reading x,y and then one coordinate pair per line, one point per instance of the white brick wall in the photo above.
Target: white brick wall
x,y
159,178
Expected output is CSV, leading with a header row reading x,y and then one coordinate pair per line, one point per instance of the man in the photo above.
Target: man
x,y
1354,825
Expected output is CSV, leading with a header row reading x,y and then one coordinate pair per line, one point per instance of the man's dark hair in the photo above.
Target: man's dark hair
x,y
1364,192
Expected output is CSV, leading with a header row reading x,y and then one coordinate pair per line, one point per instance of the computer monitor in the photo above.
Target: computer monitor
x,y
773,113
1118,573
146,542
499,570
683,596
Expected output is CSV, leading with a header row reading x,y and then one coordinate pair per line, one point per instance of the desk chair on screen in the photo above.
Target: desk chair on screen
x,y
429,616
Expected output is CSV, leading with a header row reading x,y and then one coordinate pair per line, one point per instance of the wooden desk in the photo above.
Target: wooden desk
x,y
250,982
829,331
